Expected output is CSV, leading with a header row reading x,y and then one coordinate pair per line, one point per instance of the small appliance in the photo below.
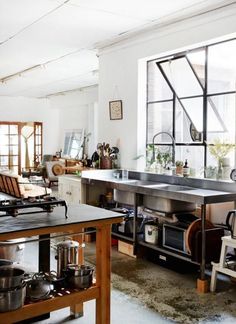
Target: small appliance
x,y
231,223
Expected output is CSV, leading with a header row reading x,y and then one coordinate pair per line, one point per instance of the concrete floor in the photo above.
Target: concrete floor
x,y
146,293
124,308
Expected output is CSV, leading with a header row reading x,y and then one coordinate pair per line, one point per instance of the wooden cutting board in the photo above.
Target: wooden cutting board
x,y
193,228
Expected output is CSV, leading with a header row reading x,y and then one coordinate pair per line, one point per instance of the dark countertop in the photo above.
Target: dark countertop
x,y
77,214
187,190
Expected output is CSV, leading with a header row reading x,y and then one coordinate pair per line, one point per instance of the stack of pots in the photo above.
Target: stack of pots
x,y
12,288
67,253
76,276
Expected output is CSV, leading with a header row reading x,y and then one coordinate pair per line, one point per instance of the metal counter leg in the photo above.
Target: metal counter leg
x,y
202,283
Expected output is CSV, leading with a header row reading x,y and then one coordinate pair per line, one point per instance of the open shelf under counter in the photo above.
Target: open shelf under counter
x,y
45,306
174,254
122,237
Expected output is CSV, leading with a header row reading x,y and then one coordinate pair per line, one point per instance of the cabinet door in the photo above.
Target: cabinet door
x,y
75,193
64,191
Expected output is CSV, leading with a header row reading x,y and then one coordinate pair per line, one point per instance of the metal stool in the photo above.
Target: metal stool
x,y
222,267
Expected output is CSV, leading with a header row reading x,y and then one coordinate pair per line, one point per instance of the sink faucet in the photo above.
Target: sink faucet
x,y
173,146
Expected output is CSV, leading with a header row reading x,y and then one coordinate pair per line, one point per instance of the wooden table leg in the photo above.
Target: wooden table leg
x,y
103,274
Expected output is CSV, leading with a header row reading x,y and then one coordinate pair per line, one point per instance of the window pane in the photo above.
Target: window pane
x,y
37,140
222,67
14,150
3,129
3,160
14,139
195,157
38,150
15,160
182,126
4,139
221,118
158,88
3,149
182,78
197,59
194,109
160,119
13,129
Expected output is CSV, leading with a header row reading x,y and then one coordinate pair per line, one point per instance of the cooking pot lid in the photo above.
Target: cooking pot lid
x,y
68,244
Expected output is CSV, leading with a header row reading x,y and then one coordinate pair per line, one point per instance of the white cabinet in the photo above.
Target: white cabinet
x,y
70,189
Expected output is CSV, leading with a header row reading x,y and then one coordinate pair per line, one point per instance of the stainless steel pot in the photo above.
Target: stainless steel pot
x,y
79,277
12,250
4,262
12,299
11,277
67,253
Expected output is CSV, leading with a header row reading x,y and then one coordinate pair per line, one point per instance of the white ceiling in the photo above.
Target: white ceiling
x,y
49,46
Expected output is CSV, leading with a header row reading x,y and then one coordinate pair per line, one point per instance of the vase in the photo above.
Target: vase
x,y
105,162
219,170
179,170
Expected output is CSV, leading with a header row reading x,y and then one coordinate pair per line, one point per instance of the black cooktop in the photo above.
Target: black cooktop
x,y
11,207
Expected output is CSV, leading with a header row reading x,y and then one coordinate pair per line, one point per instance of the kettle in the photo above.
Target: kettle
x,y
231,223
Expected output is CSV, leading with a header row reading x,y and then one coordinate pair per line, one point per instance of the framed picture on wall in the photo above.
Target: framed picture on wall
x,y
115,108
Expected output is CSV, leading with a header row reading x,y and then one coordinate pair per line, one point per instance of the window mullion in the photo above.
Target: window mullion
x,y
205,108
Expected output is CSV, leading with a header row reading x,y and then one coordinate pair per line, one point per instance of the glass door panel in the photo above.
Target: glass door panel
x,y
9,146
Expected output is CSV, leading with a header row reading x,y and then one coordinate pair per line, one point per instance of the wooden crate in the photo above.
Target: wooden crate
x,y
126,248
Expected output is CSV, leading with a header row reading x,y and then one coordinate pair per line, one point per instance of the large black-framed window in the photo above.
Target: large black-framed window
x,y
191,96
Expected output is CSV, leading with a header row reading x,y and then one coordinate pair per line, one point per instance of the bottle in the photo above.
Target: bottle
x,y
186,169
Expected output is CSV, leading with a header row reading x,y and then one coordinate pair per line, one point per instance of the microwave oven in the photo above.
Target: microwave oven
x,y
174,237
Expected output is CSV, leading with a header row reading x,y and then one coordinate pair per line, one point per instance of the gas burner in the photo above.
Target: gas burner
x,y
10,202
46,204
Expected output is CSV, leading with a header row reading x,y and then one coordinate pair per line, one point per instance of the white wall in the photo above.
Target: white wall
x,y
27,110
77,109
118,75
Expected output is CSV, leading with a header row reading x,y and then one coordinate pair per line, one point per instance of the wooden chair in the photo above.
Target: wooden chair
x,y
52,178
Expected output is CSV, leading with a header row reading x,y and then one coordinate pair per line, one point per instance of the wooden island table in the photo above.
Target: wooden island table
x,y
42,224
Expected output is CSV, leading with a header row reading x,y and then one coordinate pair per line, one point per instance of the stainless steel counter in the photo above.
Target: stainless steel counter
x,y
199,191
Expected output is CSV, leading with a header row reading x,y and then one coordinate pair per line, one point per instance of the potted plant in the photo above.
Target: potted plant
x,y
219,150
179,167
164,159
211,172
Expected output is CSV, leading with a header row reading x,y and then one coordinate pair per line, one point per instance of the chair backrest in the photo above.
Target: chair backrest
x,y
50,174
46,158
9,185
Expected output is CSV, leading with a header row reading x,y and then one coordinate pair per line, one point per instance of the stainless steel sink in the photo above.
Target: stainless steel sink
x,y
177,188
124,197
167,205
